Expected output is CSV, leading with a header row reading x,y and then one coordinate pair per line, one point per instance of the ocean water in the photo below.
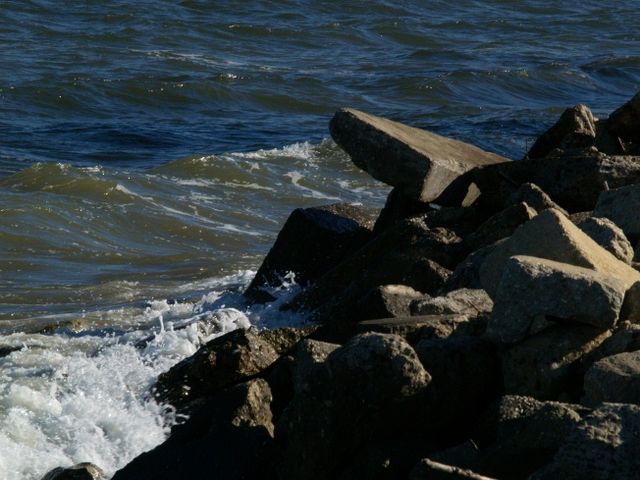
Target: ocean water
x,y
150,151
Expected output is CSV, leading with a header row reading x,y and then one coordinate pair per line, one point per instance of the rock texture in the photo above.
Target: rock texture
x,y
621,206
609,236
463,301
614,379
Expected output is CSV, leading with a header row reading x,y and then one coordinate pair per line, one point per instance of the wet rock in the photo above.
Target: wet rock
x,y
230,437
500,225
575,129
7,350
286,338
534,287
603,445
81,471
428,469
362,389
222,362
387,301
550,364
553,236
623,125
609,236
463,301
535,197
421,327
621,206
419,163
312,241
614,379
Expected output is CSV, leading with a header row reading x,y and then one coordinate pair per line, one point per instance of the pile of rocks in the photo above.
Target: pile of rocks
x,y
484,326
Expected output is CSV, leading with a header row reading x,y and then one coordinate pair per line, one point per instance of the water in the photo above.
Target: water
x,y
150,151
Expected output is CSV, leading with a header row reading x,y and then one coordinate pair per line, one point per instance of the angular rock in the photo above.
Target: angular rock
x,y
603,446
419,163
575,129
387,301
623,125
222,362
312,241
500,225
535,197
550,364
230,437
553,236
463,301
430,470
467,273
284,339
81,471
534,287
398,207
614,379
621,207
609,236
309,355
361,389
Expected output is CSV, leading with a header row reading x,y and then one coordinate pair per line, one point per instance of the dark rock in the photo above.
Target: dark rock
x,y
467,301
429,470
398,207
5,351
467,273
230,437
614,379
222,362
464,455
621,207
575,129
362,389
550,364
311,242
623,126
310,354
81,471
609,236
535,197
534,287
387,301
604,445
500,225
419,163
284,339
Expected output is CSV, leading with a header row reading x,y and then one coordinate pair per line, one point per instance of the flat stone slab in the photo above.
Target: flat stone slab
x,y
420,163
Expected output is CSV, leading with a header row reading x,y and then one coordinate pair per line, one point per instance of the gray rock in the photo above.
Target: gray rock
x,y
550,364
604,445
609,236
222,362
500,225
387,301
81,471
311,242
534,287
420,163
621,205
362,388
284,339
535,197
463,301
614,379
575,129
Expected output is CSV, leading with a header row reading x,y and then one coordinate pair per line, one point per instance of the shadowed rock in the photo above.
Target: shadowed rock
x,y
463,301
500,225
81,471
621,206
609,236
614,379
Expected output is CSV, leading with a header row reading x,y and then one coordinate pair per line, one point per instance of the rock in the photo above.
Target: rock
x,y
604,445
467,273
575,129
621,206
362,389
463,301
500,225
309,355
387,301
398,207
222,362
623,125
284,339
550,364
8,350
535,197
626,338
230,437
81,471
534,287
419,163
461,220
466,378
522,434
312,241
609,236
553,236
464,455
421,327
430,470
614,379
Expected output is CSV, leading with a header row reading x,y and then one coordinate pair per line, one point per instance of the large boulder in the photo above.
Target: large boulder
x,y
604,445
535,287
311,241
553,236
230,437
360,391
614,379
621,205
81,471
576,128
222,362
462,301
609,236
420,163
623,125
500,225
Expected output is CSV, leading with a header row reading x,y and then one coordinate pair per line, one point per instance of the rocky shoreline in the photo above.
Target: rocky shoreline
x,y
482,327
